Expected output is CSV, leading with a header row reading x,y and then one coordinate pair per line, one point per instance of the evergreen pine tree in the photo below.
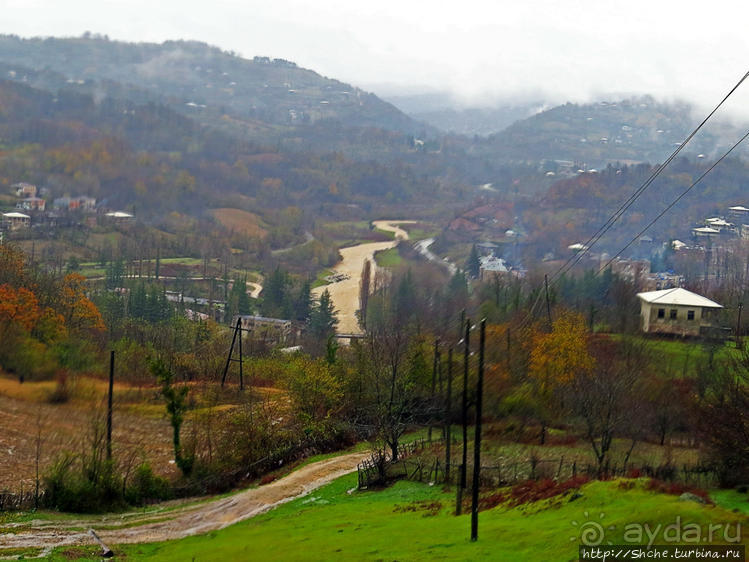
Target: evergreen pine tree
x,y
473,265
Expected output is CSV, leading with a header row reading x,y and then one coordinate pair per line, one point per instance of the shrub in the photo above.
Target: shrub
x,y
62,391
146,487
67,489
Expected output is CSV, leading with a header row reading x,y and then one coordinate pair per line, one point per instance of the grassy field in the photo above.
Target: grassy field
x,y
680,358
241,221
410,521
388,258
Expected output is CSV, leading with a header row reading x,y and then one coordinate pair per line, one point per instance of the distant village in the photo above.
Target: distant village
x,y
32,210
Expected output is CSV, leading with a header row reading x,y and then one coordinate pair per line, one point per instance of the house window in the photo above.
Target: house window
x,y
661,312
672,314
690,314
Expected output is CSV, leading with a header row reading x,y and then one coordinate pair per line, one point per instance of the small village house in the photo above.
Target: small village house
x,y
15,221
24,189
271,331
32,204
677,312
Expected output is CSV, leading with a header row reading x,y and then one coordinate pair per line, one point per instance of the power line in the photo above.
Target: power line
x,y
674,202
573,260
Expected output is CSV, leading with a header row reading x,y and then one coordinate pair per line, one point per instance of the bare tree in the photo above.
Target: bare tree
x,y
609,398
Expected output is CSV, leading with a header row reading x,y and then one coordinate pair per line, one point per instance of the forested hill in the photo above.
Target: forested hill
x,y
632,130
261,97
154,160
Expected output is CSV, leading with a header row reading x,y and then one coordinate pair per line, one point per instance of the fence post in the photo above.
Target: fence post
x,y
459,493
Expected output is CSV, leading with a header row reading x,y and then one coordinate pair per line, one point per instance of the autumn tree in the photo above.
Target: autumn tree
x,y
557,358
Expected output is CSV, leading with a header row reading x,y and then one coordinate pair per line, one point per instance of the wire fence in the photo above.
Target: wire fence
x,y
20,501
380,468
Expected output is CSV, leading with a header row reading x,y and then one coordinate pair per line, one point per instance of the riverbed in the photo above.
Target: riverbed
x,y
345,294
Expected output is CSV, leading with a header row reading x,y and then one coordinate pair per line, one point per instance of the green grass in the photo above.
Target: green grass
x,y
731,499
388,258
320,279
387,233
332,524
680,358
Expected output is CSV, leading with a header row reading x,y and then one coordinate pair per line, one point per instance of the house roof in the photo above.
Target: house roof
x,y
16,216
738,208
678,296
705,230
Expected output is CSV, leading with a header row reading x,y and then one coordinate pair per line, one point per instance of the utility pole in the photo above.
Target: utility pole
x,y
448,413
237,333
738,326
434,383
548,304
241,356
109,405
477,439
464,418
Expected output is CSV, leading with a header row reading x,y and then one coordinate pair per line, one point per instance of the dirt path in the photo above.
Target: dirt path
x,y
184,521
345,294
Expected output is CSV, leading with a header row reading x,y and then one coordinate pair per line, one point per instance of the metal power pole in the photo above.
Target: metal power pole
x,y
109,405
477,439
241,357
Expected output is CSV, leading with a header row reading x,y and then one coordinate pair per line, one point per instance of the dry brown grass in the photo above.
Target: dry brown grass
x,y
240,221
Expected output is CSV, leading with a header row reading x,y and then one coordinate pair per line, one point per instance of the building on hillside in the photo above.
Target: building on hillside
x,y
81,202
634,271
705,232
119,216
15,221
738,213
24,189
271,331
32,204
677,311
487,248
492,264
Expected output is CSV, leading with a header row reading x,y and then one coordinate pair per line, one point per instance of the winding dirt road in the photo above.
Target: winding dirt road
x,y
345,294
136,527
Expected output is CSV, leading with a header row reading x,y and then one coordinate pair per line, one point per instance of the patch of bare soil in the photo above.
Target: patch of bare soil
x,y
65,427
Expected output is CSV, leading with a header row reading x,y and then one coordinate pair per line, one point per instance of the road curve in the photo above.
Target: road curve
x,y
185,521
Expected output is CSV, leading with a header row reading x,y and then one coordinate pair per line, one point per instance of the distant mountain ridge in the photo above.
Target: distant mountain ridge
x,y
260,95
633,130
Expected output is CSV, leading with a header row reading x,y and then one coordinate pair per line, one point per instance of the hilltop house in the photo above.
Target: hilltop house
x,y
16,220
24,189
676,311
31,204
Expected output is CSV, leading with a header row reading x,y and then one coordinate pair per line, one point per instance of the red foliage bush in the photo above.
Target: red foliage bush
x,y
532,491
676,489
267,479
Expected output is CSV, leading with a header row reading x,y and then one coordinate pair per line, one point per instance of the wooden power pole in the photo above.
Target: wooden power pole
x,y
477,439
109,405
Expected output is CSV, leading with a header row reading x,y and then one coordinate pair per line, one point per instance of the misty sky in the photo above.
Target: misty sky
x,y
556,50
